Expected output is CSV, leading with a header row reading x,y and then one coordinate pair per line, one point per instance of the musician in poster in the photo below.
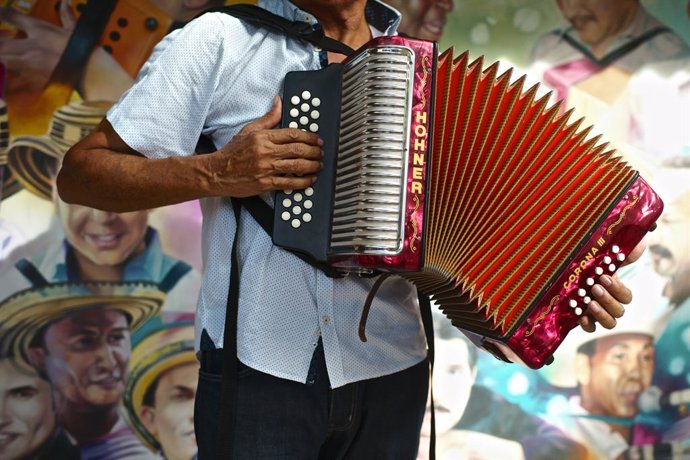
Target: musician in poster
x,y
297,341
609,38
423,18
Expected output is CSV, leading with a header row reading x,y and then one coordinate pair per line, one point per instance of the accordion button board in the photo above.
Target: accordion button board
x,y
310,103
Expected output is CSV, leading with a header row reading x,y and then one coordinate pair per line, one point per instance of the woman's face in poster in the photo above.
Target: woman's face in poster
x,y
26,411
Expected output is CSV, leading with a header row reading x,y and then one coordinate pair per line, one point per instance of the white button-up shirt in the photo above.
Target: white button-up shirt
x,y
214,76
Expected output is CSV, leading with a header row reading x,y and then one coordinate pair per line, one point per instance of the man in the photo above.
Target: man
x,y
28,429
97,245
472,421
670,249
423,18
603,38
160,392
609,370
297,341
77,336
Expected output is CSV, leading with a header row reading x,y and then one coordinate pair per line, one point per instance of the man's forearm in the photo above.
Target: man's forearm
x,y
121,182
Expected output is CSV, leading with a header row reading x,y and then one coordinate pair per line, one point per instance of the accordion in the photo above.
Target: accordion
x,y
450,175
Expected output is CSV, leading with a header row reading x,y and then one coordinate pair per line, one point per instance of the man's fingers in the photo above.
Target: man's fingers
x,y
292,135
587,323
601,315
614,289
292,182
297,166
268,121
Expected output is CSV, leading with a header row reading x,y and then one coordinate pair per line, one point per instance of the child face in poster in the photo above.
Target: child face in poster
x,y
27,419
618,371
100,237
454,376
86,355
171,419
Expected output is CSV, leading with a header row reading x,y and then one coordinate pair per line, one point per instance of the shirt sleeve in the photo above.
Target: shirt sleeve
x,y
164,112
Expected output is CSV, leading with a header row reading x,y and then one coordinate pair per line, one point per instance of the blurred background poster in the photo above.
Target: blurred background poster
x,y
624,65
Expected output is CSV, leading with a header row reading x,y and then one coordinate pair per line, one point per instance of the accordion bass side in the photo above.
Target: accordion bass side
x,y
446,173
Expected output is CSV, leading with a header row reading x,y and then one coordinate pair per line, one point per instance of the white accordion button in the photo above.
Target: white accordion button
x,y
316,102
306,217
295,223
599,271
612,268
295,100
578,311
313,127
306,94
287,203
293,124
587,300
615,249
572,303
308,204
296,210
305,107
298,197
315,114
303,120
309,191
620,257
294,113
581,292
285,216
607,260
590,282
287,192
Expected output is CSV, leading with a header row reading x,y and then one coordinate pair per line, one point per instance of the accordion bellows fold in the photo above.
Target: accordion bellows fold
x,y
503,210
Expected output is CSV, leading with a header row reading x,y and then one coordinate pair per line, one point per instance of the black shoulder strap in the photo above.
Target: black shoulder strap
x,y
301,30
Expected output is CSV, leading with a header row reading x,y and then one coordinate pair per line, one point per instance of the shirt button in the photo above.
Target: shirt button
x,y
326,320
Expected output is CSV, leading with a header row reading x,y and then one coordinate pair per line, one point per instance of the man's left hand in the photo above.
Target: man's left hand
x,y
610,296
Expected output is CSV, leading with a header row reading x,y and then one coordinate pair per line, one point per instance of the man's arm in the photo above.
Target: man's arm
x,y
102,171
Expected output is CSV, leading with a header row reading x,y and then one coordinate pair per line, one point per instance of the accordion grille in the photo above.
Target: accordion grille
x,y
369,199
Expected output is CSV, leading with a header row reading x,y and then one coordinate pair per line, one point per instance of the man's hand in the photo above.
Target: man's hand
x,y
30,61
261,159
609,297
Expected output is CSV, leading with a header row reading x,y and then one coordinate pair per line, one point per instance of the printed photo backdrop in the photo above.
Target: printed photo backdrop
x,y
106,350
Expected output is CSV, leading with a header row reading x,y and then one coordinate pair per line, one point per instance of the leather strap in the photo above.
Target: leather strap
x,y
301,30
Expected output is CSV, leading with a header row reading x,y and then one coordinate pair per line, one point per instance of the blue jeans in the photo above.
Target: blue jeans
x,y
373,419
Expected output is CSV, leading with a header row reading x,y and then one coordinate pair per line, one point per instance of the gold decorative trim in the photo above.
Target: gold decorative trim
x,y
542,315
415,230
425,63
609,230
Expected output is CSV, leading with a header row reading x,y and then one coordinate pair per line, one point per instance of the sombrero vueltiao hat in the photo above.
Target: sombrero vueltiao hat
x,y
8,182
34,159
30,311
156,348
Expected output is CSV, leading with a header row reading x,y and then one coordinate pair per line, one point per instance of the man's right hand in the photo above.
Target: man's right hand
x,y
261,159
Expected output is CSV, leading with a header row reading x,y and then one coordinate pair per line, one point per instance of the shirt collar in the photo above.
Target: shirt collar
x,y
378,14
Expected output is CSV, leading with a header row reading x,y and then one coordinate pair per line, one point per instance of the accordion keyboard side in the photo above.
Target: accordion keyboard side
x,y
369,198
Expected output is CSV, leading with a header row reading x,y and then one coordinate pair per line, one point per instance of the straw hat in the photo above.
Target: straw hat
x,y
34,159
645,315
27,312
8,182
156,348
